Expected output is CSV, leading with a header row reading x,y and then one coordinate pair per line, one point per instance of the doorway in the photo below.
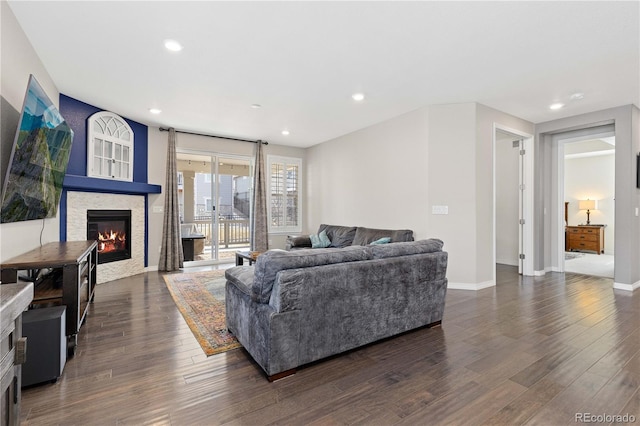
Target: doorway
x,y
214,192
513,198
588,189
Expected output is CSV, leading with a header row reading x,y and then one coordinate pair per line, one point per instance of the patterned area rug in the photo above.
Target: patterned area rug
x,y
200,298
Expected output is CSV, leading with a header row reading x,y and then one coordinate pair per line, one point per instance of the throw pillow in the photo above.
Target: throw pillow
x,y
320,241
384,240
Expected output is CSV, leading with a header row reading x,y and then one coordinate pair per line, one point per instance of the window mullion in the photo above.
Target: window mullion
x,y
284,194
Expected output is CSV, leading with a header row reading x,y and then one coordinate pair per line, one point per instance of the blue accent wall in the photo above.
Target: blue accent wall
x,y
76,113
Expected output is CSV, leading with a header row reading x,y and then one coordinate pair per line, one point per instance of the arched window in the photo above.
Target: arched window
x,y
109,147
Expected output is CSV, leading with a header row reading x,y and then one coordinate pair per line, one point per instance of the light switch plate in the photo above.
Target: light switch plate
x,y
439,209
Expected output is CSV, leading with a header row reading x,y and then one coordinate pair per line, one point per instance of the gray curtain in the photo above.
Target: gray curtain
x,y
259,225
171,256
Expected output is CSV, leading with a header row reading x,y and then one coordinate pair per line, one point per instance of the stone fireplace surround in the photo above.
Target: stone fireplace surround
x,y
77,205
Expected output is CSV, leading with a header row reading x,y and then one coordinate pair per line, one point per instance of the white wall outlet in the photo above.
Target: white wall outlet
x,y
157,209
439,209
636,212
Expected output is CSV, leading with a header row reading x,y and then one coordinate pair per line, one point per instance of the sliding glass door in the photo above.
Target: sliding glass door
x,y
215,205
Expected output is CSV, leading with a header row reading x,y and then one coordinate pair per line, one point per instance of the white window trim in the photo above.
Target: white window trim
x,y
110,136
284,160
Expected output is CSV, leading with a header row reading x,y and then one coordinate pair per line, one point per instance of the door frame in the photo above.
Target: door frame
x,y
215,189
558,144
527,194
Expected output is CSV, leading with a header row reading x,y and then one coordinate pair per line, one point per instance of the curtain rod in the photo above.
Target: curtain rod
x,y
165,129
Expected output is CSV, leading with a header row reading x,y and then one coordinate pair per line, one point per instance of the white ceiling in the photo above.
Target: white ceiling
x,y
302,60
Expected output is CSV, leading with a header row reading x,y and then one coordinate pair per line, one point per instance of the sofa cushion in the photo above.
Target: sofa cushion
x,y
340,236
271,262
320,241
298,241
364,236
382,251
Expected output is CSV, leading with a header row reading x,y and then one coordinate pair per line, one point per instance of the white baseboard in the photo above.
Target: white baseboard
x,y
626,287
470,286
540,273
151,268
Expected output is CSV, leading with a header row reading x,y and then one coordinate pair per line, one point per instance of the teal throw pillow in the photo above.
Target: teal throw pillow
x,y
384,240
320,241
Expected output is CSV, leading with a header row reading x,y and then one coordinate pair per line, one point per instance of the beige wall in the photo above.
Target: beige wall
x,y
373,177
17,238
452,182
157,175
390,175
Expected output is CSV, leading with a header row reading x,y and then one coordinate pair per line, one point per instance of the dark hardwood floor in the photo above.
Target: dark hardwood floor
x,y
529,351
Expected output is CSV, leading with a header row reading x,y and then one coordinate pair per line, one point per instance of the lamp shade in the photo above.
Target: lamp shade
x,y
587,204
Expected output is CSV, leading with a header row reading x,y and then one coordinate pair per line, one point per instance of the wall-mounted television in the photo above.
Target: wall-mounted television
x,y
39,158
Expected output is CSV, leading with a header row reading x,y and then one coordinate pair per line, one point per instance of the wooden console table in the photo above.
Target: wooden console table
x,y
586,237
75,262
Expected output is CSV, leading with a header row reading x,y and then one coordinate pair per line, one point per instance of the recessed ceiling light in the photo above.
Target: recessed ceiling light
x,y
285,132
155,110
358,96
172,45
556,106
577,96
256,106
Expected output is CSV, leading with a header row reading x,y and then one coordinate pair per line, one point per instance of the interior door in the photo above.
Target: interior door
x,y
508,207
513,199
521,206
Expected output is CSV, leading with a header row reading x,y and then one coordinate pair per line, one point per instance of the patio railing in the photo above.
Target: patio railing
x,y
230,231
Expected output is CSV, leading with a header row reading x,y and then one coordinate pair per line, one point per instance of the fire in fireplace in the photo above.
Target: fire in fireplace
x,y
112,230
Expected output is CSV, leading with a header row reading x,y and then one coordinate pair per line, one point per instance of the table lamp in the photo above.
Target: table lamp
x,y
588,205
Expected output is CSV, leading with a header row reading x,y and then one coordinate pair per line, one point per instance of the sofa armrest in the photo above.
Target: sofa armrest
x,y
241,277
298,241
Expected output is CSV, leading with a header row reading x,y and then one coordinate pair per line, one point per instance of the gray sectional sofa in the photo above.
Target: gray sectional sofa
x,y
295,307
345,236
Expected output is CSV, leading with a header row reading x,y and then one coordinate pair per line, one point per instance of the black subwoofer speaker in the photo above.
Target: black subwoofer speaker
x,y
44,329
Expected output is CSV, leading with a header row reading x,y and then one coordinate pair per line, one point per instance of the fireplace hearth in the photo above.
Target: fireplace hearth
x,y
112,230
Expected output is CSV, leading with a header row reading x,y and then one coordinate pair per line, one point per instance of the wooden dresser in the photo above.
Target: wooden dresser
x,y
586,237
